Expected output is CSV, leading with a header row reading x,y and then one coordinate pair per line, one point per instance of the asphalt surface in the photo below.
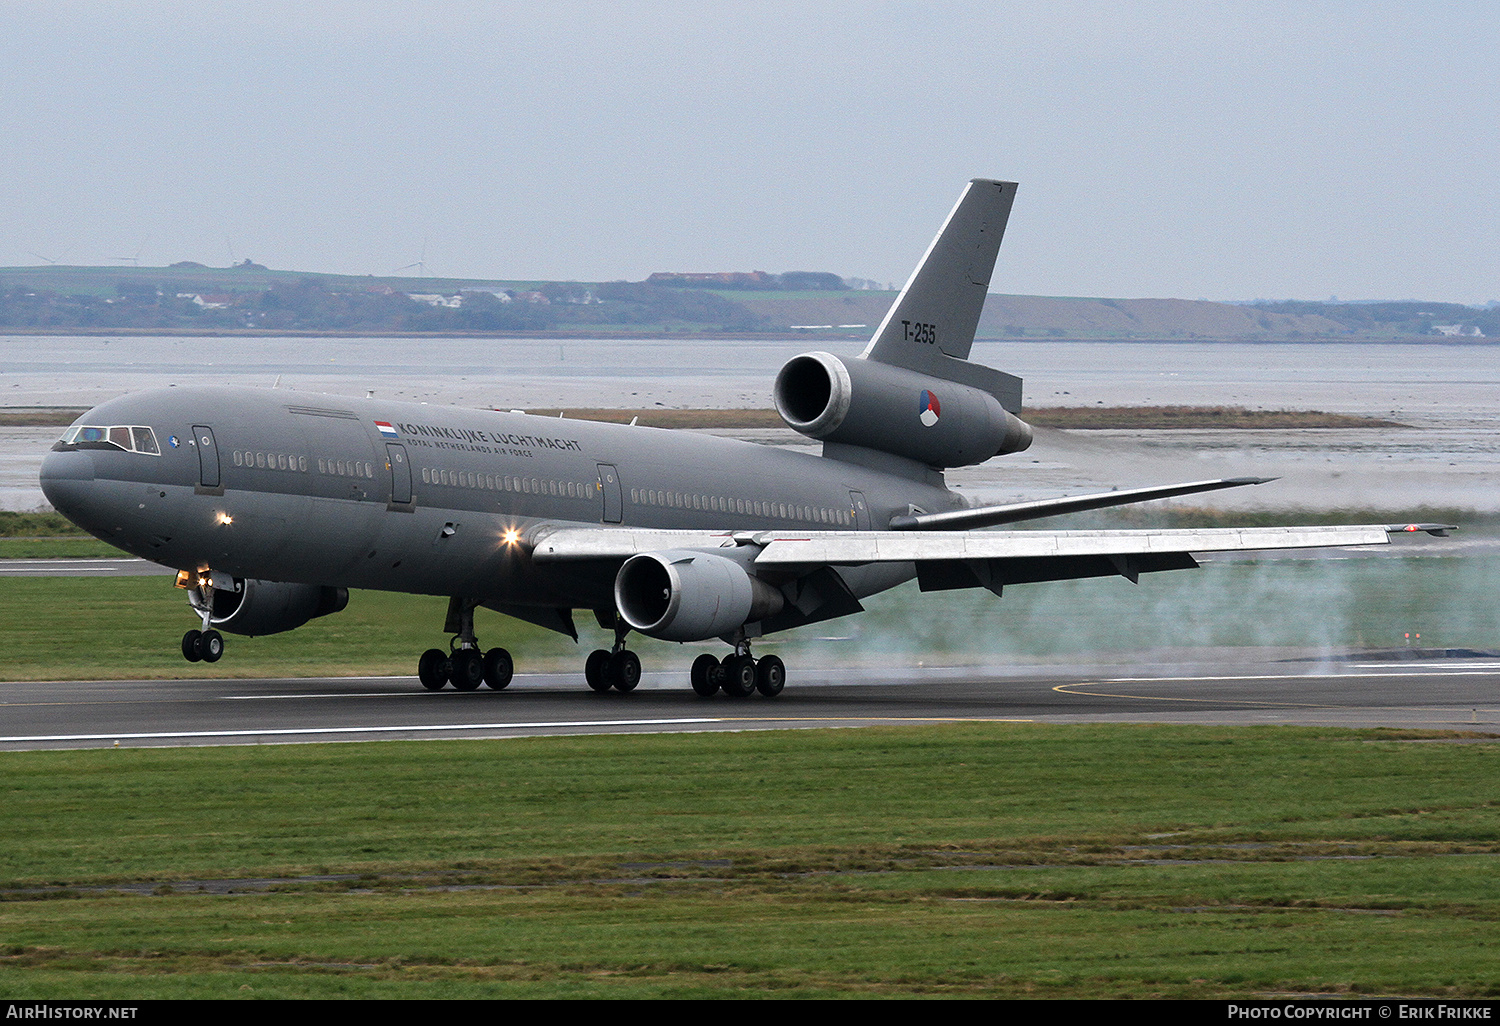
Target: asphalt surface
x,y
105,567
1433,694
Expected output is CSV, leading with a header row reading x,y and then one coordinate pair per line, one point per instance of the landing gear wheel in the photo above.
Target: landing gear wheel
x,y
466,669
498,668
624,670
190,646
770,676
739,676
595,670
432,669
211,646
705,676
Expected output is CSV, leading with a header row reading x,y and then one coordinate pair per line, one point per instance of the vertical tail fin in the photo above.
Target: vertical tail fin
x,y
937,312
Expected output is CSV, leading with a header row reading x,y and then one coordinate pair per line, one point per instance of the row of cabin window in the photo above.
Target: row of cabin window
x,y
283,461
505,483
270,461
748,507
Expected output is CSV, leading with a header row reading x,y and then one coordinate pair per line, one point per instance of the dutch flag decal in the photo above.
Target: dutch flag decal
x,y
386,430
930,408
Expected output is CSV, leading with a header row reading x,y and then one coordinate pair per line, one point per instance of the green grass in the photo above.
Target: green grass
x,y
1334,606
139,623
57,548
965,860
37,524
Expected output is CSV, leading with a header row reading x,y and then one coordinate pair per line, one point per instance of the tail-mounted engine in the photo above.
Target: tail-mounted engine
x,y
939,422
254,608
687,595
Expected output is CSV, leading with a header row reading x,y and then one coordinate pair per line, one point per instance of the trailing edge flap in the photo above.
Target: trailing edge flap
x,y
851,548
938,310
798,550
990,516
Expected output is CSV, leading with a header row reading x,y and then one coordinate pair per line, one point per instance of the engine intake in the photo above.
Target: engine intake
x,y
935,421
254,608
686,595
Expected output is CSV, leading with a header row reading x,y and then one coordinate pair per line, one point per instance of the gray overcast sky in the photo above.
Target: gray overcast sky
x,y
1224,151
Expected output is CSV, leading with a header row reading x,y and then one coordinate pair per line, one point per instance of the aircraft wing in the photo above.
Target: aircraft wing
x,y
797,549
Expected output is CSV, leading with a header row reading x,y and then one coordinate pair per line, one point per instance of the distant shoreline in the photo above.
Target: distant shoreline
x,y
553,335
1076,418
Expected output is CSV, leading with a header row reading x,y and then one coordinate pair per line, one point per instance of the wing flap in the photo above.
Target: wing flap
x,y
836,548
849,548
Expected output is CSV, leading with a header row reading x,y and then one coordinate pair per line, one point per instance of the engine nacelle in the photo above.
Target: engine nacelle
x,y
687,595
254,608
860,402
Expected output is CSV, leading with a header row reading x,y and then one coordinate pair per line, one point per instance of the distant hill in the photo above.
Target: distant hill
x,y
250,298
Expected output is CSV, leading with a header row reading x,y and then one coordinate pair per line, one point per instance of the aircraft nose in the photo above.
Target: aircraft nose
x,y
65,478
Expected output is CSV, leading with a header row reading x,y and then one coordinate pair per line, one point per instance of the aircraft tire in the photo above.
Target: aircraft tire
x,y
705,676
466,669
211,646
432,669
770,676
624,670
595,670
498,668
190,650
739,676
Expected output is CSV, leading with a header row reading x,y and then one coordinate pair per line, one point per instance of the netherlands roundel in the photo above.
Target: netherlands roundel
x,y
930,408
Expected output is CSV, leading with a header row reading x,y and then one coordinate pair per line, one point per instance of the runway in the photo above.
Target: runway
x,y
1449,694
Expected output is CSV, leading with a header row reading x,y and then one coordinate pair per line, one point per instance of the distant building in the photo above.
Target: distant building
x,y
1457,331
437,299
209,302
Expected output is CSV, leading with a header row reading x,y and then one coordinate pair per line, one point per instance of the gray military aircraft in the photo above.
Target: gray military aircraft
x,y
271,504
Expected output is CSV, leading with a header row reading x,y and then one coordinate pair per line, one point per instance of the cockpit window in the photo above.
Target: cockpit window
x,y
119,437
145,440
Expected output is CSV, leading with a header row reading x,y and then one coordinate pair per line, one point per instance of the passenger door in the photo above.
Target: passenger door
x,y
395,456
208,456
609,488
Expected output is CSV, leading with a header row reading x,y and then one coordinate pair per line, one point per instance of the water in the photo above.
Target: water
x,y
1450,456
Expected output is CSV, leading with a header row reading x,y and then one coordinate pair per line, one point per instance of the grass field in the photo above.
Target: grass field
x,y
965,860
1333,605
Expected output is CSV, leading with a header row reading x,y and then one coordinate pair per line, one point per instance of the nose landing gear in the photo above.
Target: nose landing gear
x,y
205,645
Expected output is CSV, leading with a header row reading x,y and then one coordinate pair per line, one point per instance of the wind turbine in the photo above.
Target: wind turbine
x,y
420,265
49,259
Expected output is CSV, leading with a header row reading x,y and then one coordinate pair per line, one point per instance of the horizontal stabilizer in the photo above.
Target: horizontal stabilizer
x,y
1015,512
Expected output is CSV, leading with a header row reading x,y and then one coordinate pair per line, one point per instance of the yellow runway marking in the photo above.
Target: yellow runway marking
x,y
1065,689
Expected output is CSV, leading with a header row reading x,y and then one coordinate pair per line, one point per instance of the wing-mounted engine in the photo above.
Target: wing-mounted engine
x,y
690,595
254,608
934,420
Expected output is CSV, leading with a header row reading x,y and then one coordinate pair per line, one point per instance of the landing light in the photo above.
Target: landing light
x,y
224,519
511,536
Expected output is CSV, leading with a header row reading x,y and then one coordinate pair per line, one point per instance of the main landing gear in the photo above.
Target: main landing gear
x,y
739,674
618,668
464,664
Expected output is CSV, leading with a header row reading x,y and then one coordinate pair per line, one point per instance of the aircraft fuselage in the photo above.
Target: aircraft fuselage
x,y
366,493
